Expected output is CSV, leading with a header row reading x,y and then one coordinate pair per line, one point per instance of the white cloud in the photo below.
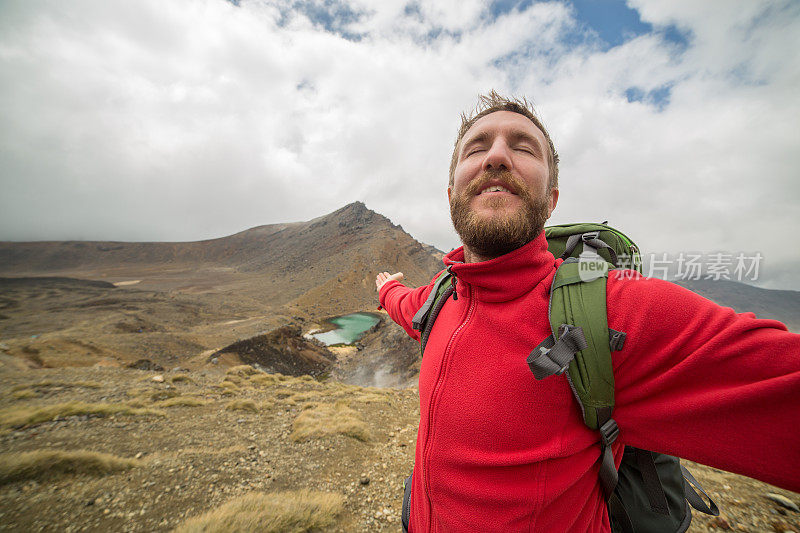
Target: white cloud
x,y
194,119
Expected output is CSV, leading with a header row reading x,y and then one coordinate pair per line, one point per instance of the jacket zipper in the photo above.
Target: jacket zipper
x,y
431,407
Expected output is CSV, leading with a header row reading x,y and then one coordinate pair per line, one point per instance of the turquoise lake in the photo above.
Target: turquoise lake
x,y
350,329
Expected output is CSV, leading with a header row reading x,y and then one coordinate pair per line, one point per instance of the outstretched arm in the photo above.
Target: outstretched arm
x,y
706,383
400,301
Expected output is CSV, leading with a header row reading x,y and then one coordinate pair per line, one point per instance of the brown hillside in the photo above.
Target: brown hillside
x,y
176,303
325,266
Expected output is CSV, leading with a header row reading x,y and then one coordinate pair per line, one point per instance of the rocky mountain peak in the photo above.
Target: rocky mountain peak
x,y
356,216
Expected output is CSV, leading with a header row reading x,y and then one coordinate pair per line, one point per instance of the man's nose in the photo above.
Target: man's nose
x,y
498,156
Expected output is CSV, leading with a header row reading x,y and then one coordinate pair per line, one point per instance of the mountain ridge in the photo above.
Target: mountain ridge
x,y
171,302
232,250
332,256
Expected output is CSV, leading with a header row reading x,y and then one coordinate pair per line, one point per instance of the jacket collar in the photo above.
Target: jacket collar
x,y
506,277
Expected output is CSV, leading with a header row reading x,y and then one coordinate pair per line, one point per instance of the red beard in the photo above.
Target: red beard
x,y
494,236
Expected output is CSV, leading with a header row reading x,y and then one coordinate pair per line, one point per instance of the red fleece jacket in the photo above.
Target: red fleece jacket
x,y
499,451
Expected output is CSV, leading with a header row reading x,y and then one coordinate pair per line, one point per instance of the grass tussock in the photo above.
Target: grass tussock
x,y
243,371
24,416
345,388
232,378
45,464
48,384
24,394
327,419
369,397
263,379
152,394
229,389
308,396
242,405
181,401
181,378
292,511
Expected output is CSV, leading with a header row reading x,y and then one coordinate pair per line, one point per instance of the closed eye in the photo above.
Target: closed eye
x,y
524,149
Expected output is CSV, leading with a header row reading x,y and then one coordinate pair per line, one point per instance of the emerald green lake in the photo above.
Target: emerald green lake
x,y
350,329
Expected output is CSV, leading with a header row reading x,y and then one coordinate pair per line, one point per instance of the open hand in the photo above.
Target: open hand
x,y
383,277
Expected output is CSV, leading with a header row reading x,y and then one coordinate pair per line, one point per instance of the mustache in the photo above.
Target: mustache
x,y
504,176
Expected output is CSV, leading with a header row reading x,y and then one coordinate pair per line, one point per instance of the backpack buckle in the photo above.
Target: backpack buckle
x,y
590,235
553,357
609,432
563,335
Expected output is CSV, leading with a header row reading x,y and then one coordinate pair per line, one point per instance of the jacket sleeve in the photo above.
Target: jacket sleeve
x,y
700,381
402,303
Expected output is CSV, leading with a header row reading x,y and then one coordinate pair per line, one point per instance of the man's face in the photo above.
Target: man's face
x,y
499,199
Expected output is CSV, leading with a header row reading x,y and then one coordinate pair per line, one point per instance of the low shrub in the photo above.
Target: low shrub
x,y
328,419
44,464
242,405
46,384
181,401
24,394
263,379
292,511
23,416
243,371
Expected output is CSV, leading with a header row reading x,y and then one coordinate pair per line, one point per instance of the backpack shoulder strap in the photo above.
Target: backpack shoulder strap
x,y
579,301
581,345
581,342
426,315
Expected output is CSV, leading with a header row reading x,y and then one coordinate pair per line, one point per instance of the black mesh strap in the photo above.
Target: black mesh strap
x,y
618,515
423,338
553,357
592,239
572,242
422,314
652,483
405,513
693,498
609,431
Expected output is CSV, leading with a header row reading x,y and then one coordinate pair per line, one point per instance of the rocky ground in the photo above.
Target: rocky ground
x,y
217,434
195,458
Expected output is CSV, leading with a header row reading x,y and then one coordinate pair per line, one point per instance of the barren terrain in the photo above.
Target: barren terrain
x,y
195,452
89,443
214,435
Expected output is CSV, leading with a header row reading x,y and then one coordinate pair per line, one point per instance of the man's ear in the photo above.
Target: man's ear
x,y
449,191
553,201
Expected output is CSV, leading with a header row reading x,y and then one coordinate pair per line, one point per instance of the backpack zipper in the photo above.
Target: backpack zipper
x,y
453,281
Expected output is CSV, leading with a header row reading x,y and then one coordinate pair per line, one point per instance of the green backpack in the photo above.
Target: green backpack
x,y
650,491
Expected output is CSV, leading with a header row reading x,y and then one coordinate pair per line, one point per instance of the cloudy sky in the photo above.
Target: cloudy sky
x,y
190,119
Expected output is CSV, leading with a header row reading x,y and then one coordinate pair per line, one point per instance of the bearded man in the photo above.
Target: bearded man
x,y
498,450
